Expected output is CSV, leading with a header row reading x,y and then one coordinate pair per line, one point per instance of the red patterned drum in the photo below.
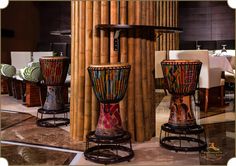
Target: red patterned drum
x,y
181,78
54,71
109,84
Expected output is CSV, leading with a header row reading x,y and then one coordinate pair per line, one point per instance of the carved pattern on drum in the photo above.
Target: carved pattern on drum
x,y
109,123
181,113
54,100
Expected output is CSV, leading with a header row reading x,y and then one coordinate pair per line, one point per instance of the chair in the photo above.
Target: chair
x,y
209,77
19,59
39,54
159,78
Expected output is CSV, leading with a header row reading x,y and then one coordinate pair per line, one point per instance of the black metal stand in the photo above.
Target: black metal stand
x,y
179,134
108,151
54,121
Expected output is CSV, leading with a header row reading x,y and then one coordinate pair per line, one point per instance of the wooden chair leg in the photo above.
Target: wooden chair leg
x,y
206,100
222,95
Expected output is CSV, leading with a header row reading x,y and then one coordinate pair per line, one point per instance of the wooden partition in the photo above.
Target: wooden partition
x,y
90,46
167,15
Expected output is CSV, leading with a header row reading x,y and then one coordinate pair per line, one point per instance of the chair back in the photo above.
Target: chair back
x,y
38,55
159,57
20,59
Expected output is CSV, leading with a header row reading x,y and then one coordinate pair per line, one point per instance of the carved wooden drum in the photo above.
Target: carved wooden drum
x,y
181,78
109,84
54,71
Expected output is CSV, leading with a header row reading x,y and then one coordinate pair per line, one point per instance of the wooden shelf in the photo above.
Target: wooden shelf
x,y
161,29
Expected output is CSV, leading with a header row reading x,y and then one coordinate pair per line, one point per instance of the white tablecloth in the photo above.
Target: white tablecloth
x,y
220,62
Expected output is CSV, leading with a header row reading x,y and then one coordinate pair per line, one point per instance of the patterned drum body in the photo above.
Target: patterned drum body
x,y
109,81
181,77
109,84
54,69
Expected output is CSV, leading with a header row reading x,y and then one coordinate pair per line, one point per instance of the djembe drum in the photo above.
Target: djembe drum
x,y
54,72
181,78
109,83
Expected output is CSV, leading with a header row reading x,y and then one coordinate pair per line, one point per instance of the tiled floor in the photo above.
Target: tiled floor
x,y
30,144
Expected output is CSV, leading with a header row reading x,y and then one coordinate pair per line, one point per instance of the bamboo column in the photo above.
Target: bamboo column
x,y
146,108
148,61
161,24
151,72
131,101
104,34
74,40
95,58
113,20
81,71
139,118
88,61
123,59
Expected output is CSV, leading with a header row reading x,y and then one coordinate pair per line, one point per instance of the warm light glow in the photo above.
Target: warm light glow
x,y
232,3
3,3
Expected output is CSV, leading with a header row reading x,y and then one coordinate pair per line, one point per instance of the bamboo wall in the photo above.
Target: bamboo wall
x,y
167,15
137,47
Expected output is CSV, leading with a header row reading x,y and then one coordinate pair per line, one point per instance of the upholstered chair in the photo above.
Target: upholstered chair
x,y
159,78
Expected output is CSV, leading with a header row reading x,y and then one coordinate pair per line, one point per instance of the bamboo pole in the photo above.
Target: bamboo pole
x,y
81,71
95,58
150,67
171,24
113,20
131,102
72,114
104,34
167,24
88,61
161,24
157,24
152,110
174,35
144,8
74,68
148,61
123,59
176,24
164,24
138,79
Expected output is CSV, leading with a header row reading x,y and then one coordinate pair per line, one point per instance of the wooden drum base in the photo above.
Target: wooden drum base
x,y
53,121
185,139
108,151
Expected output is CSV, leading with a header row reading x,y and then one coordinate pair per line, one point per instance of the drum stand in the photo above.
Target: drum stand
x,y
175,135
182,128
108,149
53,105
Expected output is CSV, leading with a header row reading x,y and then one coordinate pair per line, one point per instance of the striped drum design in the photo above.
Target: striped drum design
x,y
109,81
181,76
54,69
